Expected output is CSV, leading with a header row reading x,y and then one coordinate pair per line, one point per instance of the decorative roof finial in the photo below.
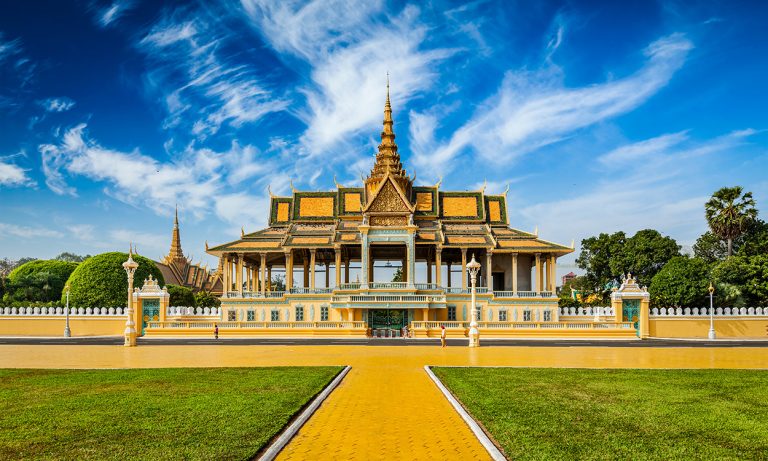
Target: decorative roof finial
x,y
269,189
242,231
506,190
293,189
536,231
338,186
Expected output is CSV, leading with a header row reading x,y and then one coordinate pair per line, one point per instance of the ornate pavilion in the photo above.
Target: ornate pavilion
x,y
356,233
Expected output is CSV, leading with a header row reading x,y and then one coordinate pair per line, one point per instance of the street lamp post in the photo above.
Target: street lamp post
x,y
67,331
711,313
130,327
474,334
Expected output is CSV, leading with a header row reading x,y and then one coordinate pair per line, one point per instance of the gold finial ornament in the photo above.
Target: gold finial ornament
x,y
506,190
711,288
439,181
242,231
536,231
573,244
206,245
387,158
269,190
338,186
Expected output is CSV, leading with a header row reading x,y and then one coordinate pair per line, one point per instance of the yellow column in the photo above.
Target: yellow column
x,y
269,278
489,270
346,271
425,314
643,320
239,274
463,268
439,266
337,266
538,272
225,274
553,273
263,267
514,274
312,269
288,270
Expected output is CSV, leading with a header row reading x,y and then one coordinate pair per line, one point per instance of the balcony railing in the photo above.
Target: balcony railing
x,y
350,286
522,294
254,325
387,285
310,291
427,286
341,299
529,325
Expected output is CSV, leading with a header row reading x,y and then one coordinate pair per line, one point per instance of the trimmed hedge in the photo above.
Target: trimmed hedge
x,y
180,296
100,281
39,280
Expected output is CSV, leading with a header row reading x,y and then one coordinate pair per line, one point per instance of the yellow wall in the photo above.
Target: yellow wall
x,y
698,328
54,326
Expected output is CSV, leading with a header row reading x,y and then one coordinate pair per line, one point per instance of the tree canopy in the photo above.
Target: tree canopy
x,y
742,280
682,282
607,256
180,296
38,281
729,213
206,299
71,257
101,281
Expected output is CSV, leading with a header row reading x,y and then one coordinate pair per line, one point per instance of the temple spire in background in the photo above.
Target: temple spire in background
x,y
176,253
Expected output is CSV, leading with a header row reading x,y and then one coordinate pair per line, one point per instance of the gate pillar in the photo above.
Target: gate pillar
x,y
151,304
628,296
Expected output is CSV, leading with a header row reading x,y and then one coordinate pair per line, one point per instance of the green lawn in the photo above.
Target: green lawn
x,y
618,414
172,413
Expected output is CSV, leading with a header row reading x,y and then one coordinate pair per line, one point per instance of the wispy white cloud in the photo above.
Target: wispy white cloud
x,y
200,179
14,230
111,13
349,55
12,175
646,184
62,104
213,91
534,109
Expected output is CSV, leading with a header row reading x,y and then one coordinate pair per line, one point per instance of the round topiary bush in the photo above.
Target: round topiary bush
x,y
180,296
100,281
39,280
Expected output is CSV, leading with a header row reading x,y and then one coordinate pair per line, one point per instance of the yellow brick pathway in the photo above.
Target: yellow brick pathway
x,y
386,407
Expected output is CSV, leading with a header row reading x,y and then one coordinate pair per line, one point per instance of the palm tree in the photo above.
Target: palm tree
x,y
729,213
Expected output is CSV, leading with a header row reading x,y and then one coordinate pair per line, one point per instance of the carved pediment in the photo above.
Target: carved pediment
x,y
389,200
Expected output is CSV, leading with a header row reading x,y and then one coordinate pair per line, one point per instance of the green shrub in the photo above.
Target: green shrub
x,y
180,296
206,299
682,282
38,281
100,281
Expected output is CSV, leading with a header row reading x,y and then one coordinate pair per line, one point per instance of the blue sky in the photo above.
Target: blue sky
x,y
600,116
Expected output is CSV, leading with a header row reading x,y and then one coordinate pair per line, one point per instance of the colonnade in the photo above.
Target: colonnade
x,y
256,276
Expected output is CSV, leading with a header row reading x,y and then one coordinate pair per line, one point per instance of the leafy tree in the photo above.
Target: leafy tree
x,y
100,281
398,275
752,242
7,265
39,280
645,253
729,213
682,282
180,296
742,281
71,257
606,257
206,299
277,283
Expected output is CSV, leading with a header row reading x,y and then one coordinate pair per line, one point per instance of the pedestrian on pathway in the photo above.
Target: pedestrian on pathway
x,y
442,336
215,331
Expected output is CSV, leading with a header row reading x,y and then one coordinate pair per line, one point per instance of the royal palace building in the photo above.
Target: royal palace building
x,y
337,250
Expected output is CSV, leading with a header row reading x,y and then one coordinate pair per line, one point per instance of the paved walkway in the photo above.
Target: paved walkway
x,y
386,407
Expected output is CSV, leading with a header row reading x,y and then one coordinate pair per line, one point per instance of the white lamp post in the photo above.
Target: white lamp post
x,y
474,334
130,327
711,312
67,331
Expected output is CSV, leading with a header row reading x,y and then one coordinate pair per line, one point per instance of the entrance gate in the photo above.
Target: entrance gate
x,y
387,321
150,312
630,312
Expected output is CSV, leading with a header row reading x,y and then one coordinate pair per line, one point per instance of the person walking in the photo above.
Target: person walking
x,y
442,335
215,331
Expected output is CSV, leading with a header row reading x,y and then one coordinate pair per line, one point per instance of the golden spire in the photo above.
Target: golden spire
x,y
387,158
175,253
